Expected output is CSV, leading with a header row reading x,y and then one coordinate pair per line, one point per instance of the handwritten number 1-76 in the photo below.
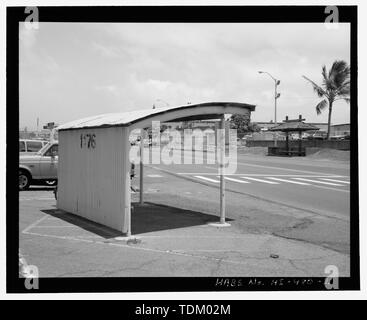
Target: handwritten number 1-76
x,y
88,140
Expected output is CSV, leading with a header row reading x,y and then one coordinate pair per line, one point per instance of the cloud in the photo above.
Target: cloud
x,y
105,51
107,88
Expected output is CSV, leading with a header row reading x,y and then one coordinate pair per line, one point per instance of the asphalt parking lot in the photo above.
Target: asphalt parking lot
x,y
175,238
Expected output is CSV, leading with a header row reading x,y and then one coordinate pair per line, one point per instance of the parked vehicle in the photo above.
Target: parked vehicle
x,y
28,146
340,137
320,135
40,167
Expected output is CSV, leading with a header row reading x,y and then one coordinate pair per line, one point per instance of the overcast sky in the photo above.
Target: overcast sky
x,y
71,70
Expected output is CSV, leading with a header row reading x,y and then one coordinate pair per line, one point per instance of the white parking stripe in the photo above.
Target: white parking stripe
x,y
333,180
289,181
208,179
35,223
236,180
260,180
322,182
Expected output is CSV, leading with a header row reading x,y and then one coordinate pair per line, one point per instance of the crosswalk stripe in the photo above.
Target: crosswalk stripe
x,y
333,180
260,180
154,176
322,182
236,180
289,181
208,179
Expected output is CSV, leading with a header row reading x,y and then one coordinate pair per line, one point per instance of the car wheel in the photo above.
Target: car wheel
x,y
24,180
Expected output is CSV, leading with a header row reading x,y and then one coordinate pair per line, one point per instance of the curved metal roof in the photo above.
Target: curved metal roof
x,y
207,110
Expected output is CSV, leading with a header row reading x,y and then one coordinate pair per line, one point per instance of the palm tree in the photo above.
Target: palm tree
x,y
335,86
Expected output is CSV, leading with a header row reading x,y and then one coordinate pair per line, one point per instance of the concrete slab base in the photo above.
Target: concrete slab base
x,y
128,240
219,224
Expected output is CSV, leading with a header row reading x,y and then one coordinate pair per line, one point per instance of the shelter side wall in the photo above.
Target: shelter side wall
x,y
92,174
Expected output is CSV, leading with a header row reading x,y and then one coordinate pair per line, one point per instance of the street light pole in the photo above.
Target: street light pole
x,y
276,96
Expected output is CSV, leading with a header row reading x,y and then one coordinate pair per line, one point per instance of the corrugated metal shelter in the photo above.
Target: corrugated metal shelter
x,y
94,164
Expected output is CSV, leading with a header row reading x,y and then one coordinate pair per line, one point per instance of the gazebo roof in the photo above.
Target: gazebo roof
x,y
293,126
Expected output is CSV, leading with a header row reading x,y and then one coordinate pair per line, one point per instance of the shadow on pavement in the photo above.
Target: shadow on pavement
x,y
157,217
83,223
147,218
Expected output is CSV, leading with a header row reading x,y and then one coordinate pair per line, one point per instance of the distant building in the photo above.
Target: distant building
x,y
340,129
264,126
172,125
43,134
265,135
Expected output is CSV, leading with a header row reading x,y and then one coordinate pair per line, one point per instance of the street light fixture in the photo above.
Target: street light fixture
x,y
276,96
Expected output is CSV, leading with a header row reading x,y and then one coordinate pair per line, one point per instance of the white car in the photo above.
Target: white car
x,y
40,167
28,146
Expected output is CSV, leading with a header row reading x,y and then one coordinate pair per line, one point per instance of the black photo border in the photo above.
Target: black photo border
x,y
142,14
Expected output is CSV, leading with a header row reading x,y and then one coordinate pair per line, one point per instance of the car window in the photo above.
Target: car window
x,y
54,148
44,148
34,146
21,146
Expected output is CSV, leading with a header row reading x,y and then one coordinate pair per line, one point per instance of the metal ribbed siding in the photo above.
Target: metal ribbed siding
x,y
92,181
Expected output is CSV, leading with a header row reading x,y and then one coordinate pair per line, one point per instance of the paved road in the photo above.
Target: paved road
x,y
319,186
